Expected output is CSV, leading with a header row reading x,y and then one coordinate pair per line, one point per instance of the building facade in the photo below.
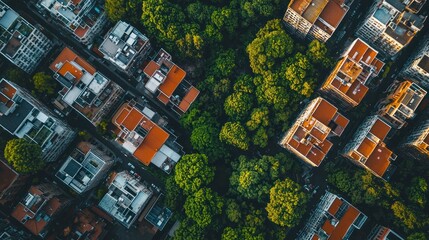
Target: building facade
x,y
348,83
125,199
401,103
315,19
416,145
40,207
391,25
383,233
25,117
308,138
86,166
21,43
142,133
126,47
85,90
368,150
334,218
11,183
417,67
83,18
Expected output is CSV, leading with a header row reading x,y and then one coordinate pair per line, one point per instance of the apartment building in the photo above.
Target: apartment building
x,y
25,117
391,25
86,166
348,83
334,218
143,133
21,43
166,80
308,137
416,144
315,19
417,67
86,225
83,18
40,208
126,47
11,183
10,232
368,150
383,233
125,199
85,90
401,103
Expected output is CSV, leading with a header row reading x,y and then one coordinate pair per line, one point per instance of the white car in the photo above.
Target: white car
x,y
131,166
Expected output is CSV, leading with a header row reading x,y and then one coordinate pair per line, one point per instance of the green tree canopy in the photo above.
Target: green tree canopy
x,y
300,74
318,54
192,172
270,46
189,230
253,178
417,191
405,215
205,139
235,134
203,206
44,83
224,64
287,203
238,105
417,236
25,157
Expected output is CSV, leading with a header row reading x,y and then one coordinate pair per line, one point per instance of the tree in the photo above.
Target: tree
x,y
258,118
17,76
287,203
417,191
318,53
260,138
253,178
235,134
233,211
417,236
43,83
300,75
406,216
205,139
173,195
115,9
192,172
202,206
238,105
191,45
225,18
270,46
248,233
189,230
25,157
224,64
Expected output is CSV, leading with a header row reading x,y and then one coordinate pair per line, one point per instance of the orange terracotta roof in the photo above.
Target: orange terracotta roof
x,y
324,112
133,118
189,99
379,160
32,225
333,14
328,227
69,68
120,116
7,90
164,99
67,55
358,50
335,205
80,31
366,147
154,140
357,91
341,120
172,80
150,68
380,129
345,223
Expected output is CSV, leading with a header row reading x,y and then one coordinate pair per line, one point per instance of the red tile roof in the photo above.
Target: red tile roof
x,y
333,13
318,126
67,55
150,68
174,77
7,176
129,117
380,129
189,99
